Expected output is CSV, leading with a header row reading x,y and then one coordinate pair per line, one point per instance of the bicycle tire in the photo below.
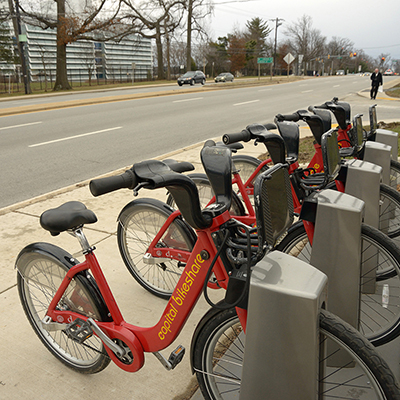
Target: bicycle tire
x,y
389,214
247,165
138,223
39,276
395,175
206,194
219,349
378,324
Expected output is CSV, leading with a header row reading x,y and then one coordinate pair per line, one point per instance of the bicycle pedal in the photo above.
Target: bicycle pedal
x,y
79,330
176,356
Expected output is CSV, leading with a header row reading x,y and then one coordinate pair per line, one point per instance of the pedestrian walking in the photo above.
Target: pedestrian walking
x,y
376,80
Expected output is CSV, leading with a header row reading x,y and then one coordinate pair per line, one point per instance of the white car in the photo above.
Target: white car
x,y
340,72
388,72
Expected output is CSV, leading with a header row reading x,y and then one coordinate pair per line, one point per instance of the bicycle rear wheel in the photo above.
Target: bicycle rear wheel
x,y
395,175
139,222
378,323
39,277
220,345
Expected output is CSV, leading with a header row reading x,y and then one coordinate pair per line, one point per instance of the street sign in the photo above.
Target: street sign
x,y
265,60
288,58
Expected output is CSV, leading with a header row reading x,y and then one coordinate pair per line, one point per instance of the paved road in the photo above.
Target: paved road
x,y
44,151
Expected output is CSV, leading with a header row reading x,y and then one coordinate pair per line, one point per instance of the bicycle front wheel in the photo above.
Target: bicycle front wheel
x,y
39,277
246,165
389,215
379,324
220,346
395,175
139,222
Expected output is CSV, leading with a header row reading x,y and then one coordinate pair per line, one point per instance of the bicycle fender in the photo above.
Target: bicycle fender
x,y
204,320
66,259
165,207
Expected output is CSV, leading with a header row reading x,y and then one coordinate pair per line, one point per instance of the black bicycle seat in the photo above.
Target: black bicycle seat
x,y
67,216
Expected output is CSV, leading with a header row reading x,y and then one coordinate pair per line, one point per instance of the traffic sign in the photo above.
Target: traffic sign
x,y
288,58
265,60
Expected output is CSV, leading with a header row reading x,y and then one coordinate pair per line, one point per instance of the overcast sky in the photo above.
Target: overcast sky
x,y
371,25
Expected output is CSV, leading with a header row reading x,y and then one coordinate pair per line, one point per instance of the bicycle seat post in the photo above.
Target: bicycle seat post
x,y
78,233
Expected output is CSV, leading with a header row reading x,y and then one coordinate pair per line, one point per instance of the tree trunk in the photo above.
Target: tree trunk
x,y
61,82
160,65
167,42
189,37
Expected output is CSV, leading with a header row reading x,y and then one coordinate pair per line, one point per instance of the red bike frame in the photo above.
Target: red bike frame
x,y
183,299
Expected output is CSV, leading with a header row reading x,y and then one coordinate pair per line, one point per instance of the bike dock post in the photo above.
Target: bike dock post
x,y
336,251
389,138
380,154
363,182
282,344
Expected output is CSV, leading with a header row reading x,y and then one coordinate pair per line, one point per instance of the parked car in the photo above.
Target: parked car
x,y
192,77
224,77
388,72
340,72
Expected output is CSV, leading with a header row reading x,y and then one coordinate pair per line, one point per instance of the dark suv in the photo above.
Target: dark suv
x,y
192,77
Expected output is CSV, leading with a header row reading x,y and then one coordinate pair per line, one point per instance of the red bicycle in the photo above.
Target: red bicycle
x,y
71,307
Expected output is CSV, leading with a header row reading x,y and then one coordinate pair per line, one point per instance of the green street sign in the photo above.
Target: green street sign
x,y
265,60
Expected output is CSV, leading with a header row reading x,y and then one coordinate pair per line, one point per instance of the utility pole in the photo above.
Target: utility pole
x,y
277,23
17,31
189,37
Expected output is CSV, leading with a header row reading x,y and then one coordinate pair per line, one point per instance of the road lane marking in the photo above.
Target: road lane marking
x,y
75,137
264,90
19,126
246,102
306,91
336,85
181,101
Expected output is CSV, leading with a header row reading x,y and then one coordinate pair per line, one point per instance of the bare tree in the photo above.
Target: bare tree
x,y
197,11
155,19
45,58
74,21
338,50
305,40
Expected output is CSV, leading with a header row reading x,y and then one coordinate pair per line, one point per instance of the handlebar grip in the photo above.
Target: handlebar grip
x,y
288,117
243,136
269,126
102,186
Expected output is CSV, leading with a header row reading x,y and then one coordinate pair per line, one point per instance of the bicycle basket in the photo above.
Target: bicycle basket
x,y
358,132
330,154
273,204
372,119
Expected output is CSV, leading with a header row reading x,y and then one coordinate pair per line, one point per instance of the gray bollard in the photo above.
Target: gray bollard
x,y
336,251
284,301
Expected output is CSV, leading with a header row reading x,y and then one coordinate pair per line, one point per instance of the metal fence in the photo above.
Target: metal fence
x,y
42,81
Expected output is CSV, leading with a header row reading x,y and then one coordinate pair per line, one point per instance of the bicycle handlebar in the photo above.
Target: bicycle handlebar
x,y
244,136
295,117
101,186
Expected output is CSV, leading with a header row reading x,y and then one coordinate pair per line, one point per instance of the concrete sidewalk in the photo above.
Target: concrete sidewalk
x,y
27,369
